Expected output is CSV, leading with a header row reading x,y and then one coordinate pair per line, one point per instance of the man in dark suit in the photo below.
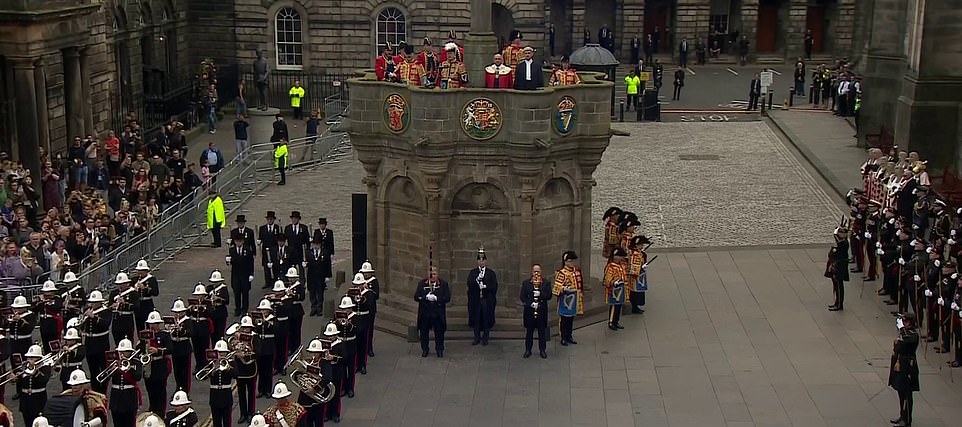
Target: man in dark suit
x,y
240,258
242,230
298,238
282,258
679,83
754,91
267,235
318,270
528,74
683,53
635,49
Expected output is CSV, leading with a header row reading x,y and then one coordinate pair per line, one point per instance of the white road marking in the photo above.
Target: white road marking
x,y
776,72
730,70
691,71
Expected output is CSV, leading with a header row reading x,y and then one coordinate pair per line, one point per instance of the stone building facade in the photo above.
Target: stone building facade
x,y
908,53
341,36
72,67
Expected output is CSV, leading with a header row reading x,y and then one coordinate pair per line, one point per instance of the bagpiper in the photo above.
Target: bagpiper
x,y
453,74
535,295
568,286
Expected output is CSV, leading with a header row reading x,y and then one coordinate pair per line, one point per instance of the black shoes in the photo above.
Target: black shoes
x,y
544,355
564,342
363,370
484,341
350,394
572,341
612,327
370,353
834,308
476,341
424,353
526,354
440,353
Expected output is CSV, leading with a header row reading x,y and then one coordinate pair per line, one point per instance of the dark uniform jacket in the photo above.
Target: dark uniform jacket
x,y
318,268
123,322
476,294
124,391
430,310
189,420
250,242
150,290
298,241
245,368
267,234
221,380
51,319
241,267
326,237
527,297
200,319
284,258
160,361
180,337
264,337
95,330
904,368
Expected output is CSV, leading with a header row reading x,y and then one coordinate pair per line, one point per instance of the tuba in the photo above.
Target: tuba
x,y
309,380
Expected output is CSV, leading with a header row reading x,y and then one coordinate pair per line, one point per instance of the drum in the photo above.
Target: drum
x,y
66,411
568,306
6,416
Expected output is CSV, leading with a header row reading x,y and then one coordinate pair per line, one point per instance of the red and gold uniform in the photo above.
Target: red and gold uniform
x,y
513,54
453,75
615,280
384,65
428,60
564,77
567,285
637,262
291,411
410,72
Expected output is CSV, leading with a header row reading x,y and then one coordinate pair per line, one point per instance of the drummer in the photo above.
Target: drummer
x,y
95,404
180,413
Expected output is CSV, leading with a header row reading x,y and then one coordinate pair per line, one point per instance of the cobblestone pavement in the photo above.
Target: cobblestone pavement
x,y
711,184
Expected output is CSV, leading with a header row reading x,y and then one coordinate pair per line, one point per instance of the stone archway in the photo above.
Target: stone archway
x,y
405,233
561,19
480,217
502,23
554,216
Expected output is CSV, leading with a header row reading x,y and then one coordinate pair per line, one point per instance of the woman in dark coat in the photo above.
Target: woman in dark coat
x,y
837,266
904,368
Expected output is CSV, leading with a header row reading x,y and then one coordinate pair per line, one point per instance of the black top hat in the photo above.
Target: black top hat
x,y
619,252
569,255
279,116
322,220
515,34
241,218
481,254
612,211
271,215
296,214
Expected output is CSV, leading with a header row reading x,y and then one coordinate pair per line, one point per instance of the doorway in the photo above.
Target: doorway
x,y
815,21
561,19
767,28
658,19
502,23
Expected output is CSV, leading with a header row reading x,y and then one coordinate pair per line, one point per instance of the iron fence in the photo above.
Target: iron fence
x,y
318,88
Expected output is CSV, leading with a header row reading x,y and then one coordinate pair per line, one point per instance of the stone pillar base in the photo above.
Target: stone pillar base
x,y
478,50
261,124
883,74
927,119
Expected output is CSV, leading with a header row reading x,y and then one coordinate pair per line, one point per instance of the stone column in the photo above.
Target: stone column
x,y
884,66
749,26
480,44
88,115
795,31
43,116
261,124
583,223
526,232
25,101
691,20
73,93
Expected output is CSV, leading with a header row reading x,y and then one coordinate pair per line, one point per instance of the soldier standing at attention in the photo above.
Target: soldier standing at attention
x,y
482,299
535,294
565,75
568,286
615,278
432,294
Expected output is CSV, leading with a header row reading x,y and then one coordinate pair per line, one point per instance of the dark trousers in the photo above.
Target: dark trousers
x,y
425,333
362,341
200,343
813,93
215,232
157,393
683,59
932,318
542,337
31,405
566,327
634,56
182,372
221,416
614,314
241,299
838,288
906,297
314,416
946,327
855,243
752,100
637,300
906,404
265,373
872,259
268,276
245,396
316,293
333,407
124,418
220,325
890,282
349,367
297,113
280,349
370,334
957,336
632,101
96,362
281,170
294,339
677,94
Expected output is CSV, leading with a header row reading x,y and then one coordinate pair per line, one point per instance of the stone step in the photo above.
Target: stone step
x,y
769,60
723,59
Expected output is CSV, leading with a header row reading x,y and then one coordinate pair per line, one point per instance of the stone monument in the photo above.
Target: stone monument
x,y
261,118
450,171
261,73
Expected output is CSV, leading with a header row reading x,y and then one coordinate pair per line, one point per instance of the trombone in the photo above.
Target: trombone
x,y
220,363
30,368
121,364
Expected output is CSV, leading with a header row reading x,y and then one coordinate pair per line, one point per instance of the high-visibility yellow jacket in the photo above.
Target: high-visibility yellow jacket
x,y
296,93
280,156
632,83
215,212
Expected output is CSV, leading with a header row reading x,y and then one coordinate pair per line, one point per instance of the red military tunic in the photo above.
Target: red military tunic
x,y
383,65
564,77
512,55
410,73
453,75
498,77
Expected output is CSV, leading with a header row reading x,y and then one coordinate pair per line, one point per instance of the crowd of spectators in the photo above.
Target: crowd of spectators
x,y
91,198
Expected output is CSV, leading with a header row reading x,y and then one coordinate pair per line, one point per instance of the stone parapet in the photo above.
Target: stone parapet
x,y
459,169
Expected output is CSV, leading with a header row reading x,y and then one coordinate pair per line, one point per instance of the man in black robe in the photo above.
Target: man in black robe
x,y
482,299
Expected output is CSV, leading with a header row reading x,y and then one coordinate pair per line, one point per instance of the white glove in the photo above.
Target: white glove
x,y
917,278
227,259
868,235
892,221
878,245
304,264
536,293
955,306
482,286
951,241
915,227
941,301
952,233
901,261
258,242
270,265
880,251
937,263
644,266
250,279
332,259
928,292
431,297
960,314
534,305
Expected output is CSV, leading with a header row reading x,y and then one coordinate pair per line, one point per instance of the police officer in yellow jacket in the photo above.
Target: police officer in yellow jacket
x,y
215,215
296,93
280,159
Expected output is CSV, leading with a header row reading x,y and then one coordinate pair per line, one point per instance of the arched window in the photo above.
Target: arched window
x,y
391,27
288,40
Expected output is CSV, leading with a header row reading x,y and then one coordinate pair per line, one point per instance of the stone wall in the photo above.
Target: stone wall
x,y
691,22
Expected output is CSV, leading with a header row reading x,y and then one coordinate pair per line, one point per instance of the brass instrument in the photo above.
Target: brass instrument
x,y
309,380
121,364
218,363
121,297
212,295
242,344
170,325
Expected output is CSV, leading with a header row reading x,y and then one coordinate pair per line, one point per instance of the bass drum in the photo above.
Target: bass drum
x,y
66,411
6,416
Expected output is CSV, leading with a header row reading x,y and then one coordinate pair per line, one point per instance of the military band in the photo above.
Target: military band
x,y
346,315
156,345
148,287
180,413
373,288
124,373
284,412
